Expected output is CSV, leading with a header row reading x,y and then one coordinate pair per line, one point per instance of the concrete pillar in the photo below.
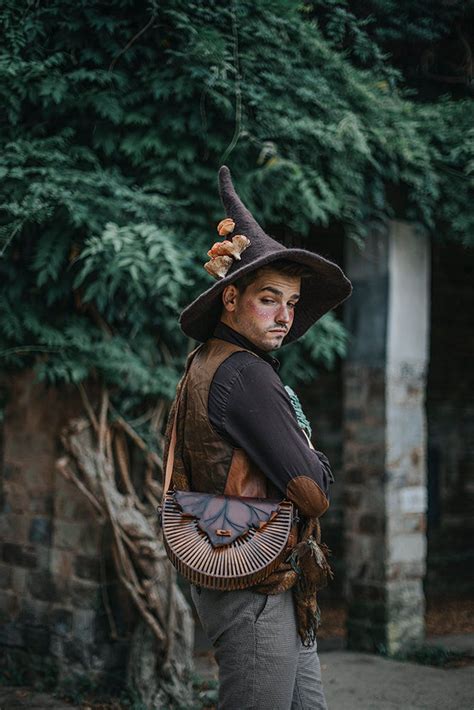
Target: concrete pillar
x,y
385,438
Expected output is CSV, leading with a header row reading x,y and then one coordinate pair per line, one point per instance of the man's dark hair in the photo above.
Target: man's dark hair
x,y
283,266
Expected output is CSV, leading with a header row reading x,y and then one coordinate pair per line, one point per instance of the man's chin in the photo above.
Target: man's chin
x,y
269,342
276,341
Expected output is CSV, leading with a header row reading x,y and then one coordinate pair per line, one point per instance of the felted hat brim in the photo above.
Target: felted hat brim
x,y
319,294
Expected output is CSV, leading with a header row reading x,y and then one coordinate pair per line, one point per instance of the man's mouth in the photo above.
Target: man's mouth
x,y
278,330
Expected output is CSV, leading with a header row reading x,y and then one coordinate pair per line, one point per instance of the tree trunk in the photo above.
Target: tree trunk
x,y
160,662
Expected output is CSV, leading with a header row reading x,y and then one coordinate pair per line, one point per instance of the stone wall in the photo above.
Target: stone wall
x,y
385,438
450,429
52,580
450,411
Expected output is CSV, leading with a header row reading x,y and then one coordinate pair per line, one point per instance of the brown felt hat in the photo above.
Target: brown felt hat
x,y
326,289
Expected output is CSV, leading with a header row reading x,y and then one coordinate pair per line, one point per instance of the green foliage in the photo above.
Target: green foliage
x,y
13,672
114,120
125,268
19,668
205,693
427,655
320,345
84,690
77,688
410,21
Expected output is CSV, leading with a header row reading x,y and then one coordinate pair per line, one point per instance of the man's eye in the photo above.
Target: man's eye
x,y
292,305
267,300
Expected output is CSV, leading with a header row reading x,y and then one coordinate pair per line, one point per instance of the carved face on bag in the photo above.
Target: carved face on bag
x,y
263,312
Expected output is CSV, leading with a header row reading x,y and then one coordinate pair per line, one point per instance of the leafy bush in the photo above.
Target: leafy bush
x,y
115,119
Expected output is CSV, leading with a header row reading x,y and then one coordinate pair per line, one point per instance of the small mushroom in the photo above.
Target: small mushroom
x,y
218,266
225,227
241,242
230,248
220,249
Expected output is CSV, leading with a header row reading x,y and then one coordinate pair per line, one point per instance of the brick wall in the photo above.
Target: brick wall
x,y
52,579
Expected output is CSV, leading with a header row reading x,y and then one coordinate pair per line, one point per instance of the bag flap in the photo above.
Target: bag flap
x,y
225,518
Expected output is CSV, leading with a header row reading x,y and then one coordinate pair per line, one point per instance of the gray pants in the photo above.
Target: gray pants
x,y
262,662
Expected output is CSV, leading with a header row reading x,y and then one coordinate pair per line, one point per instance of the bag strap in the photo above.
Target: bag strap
x,y
170,459
172,446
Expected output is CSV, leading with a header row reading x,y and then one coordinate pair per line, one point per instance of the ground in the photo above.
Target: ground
x,y
353,681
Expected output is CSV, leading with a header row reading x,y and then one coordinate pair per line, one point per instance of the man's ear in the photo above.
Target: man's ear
x,y
229,298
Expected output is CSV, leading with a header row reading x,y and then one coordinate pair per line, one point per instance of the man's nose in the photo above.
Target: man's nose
x,y
283,315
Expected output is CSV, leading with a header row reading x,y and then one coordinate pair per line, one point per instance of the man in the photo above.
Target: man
x,y
237,434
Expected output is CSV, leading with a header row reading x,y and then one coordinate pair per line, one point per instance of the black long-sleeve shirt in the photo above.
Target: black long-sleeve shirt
x,y
249,406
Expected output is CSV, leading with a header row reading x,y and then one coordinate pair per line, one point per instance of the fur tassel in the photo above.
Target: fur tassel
x,y
309,560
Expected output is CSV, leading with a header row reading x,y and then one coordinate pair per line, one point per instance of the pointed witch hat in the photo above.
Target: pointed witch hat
x,y
326,289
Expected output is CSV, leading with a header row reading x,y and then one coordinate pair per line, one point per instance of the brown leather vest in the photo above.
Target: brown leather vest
x,y
204,459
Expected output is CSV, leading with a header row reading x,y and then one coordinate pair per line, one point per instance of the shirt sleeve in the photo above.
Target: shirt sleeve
x,y
255,413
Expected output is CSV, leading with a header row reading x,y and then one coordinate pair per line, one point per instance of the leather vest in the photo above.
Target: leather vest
x,y
204,459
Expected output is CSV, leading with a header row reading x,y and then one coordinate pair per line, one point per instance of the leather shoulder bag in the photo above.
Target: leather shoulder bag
x,y
222,542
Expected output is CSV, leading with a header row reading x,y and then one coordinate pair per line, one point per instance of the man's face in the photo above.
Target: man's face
x,y
264,312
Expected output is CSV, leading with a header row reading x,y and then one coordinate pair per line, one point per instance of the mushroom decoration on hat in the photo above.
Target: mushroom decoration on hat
x,y
250,248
